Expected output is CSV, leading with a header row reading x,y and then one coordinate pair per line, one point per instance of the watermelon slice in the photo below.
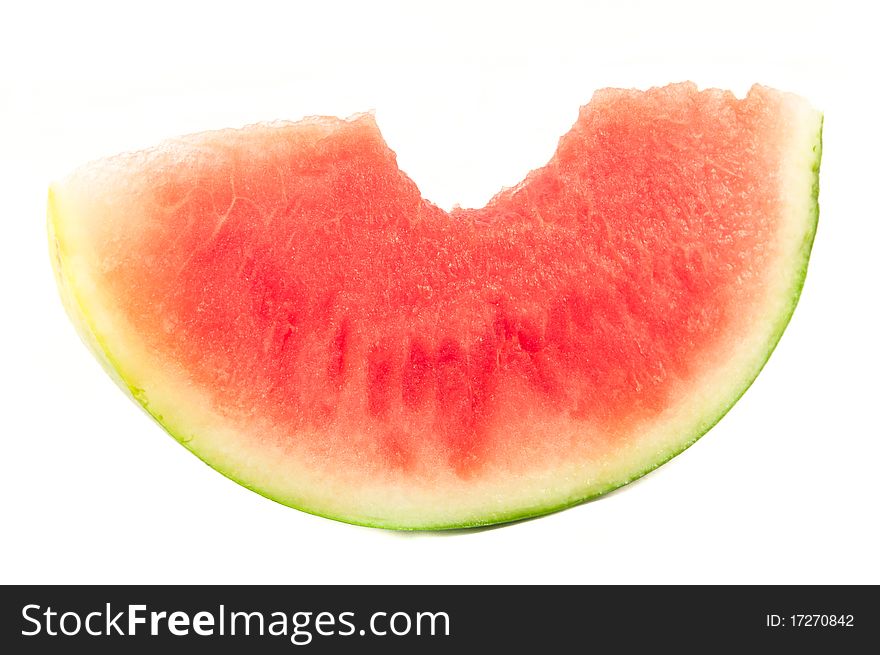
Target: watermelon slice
x,y
283,301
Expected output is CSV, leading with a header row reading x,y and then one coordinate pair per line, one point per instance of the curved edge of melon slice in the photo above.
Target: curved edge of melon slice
x,y
800,188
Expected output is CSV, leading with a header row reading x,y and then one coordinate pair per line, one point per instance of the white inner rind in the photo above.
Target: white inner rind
x,y
445,500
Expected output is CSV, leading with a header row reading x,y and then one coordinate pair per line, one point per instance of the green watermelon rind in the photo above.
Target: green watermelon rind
x,y
90,335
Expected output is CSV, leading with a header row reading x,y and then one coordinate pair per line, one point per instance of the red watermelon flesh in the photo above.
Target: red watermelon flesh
x,y
283,300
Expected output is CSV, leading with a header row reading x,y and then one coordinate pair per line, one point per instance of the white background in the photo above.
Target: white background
x,y
471,96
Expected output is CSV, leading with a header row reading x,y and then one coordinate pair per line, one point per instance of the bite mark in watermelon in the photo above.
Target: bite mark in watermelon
x,y
286,304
